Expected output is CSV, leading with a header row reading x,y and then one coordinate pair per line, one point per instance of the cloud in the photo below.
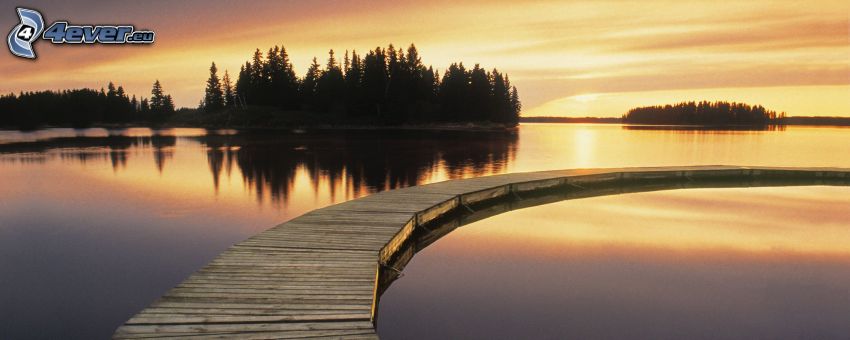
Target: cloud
x,y
791,34
550,49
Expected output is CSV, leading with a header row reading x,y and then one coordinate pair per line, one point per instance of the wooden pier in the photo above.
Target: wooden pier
x,y
320,275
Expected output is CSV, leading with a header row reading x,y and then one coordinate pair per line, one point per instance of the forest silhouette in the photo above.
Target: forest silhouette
x,y
386,86
84,107
704,113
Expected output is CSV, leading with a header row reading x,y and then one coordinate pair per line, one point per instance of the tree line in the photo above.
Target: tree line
x,y
83,107
386,85
703,113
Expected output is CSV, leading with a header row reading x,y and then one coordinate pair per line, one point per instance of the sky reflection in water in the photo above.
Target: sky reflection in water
x,y
755,263
95,223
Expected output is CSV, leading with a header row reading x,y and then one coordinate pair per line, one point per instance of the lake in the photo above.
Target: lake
x,y
95,224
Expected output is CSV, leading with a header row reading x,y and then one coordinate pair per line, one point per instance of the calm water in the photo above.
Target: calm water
x,y
95,224
756,263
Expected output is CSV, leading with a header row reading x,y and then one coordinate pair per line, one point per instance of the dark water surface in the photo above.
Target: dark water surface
x,y
95,224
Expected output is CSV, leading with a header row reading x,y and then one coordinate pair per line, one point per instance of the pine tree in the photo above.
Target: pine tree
x,y
375,79
229,94
257,67
479,106
111,92
116,105
290,89
516,106
502,108
213,98
124,106
272,83
354,98
257,78
419,77
144,107
414,62
309,84
243,82
330,89
398,88
160,104
454,90
430,84
157,101
281,87
169,104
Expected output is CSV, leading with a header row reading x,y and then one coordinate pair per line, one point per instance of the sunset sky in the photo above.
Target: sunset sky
x,y
567,58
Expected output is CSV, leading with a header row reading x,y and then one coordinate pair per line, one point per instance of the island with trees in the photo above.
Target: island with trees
x,y
716,115
383,87
704,113
386,86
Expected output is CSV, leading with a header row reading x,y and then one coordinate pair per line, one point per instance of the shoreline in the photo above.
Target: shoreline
x,y
471,127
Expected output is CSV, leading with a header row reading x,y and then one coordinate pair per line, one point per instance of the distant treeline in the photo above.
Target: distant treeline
x,y
703,113
548,119
83,107
802,120
385,86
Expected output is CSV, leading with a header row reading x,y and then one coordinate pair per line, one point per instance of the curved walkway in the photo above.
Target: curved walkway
x,y
321,274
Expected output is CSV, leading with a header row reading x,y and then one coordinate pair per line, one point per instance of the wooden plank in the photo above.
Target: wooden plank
x,y
324,334
176,303
250,327
186,318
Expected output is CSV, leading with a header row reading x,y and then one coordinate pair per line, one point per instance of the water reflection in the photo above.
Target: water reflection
x,y
97,223
758,263
355,162
363,163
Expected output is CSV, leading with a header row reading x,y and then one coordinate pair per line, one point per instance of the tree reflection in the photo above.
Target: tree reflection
x,y
361,162
336,163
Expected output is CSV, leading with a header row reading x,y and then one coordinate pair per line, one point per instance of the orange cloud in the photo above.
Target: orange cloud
x,y
551,49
